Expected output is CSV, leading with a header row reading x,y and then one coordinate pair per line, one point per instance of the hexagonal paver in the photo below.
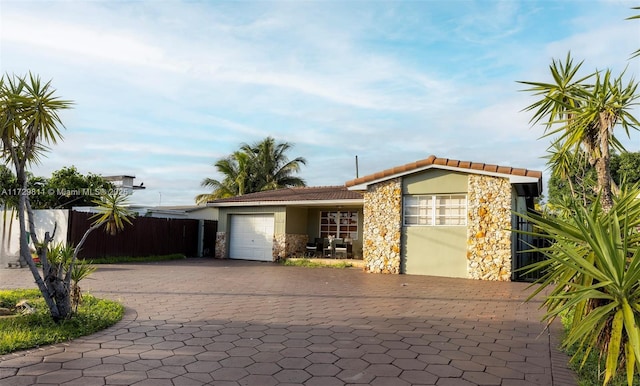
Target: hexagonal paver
x,y
294,363
292,376
418,377
323,369
263,368
444,371
352,364
229,374
228,322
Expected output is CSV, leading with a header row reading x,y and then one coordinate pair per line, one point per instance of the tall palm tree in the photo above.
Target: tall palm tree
x,y
29,121
235,169
271,168
254,168
580,115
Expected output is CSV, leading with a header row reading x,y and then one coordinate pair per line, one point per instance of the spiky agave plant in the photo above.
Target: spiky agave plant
x,y
593,270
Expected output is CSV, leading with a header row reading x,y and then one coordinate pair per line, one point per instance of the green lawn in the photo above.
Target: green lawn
x,y
37,329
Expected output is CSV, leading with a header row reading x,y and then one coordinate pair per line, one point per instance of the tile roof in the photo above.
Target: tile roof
x,y
316,193
435,161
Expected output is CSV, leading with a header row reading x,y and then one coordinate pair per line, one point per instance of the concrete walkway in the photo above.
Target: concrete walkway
x,y
214,322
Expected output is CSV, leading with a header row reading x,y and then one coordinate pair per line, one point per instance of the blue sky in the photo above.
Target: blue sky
x,y
163,89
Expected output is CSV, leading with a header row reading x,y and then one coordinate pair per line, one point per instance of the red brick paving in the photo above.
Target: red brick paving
x,y
215,322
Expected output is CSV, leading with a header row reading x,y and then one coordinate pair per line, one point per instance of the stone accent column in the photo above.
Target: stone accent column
x,y
287,245
381,228
279,246
489,228
296,244
221,245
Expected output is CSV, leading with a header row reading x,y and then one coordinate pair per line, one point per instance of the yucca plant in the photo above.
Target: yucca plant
x,y
593,272
60,257
81,270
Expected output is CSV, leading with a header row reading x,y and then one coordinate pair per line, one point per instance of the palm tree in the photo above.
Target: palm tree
x,y
271,168
581,114
29,121
235,169
254,168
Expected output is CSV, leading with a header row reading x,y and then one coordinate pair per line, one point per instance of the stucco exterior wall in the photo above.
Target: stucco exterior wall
x,y
435,181
435,250
382,227
488,229
296,220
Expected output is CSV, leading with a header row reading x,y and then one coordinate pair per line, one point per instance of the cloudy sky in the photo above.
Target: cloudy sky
x,y
163,89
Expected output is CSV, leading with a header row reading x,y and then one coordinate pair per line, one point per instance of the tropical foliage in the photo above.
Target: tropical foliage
x,y
579,114
580,183
254,168
66,188
593,269
61,260
60,267
29,121
637,52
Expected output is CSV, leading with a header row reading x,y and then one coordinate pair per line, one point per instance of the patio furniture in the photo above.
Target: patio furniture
x,y
332,246
311,249
345,247
340,249
327,248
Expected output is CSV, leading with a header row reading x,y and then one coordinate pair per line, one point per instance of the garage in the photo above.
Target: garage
x,y
251,237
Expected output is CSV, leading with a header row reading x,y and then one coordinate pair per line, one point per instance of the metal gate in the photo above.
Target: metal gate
x,y
209,238
524,256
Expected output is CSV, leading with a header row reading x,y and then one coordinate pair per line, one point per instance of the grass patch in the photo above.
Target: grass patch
x,y
315,264
131,259
592,373
33,330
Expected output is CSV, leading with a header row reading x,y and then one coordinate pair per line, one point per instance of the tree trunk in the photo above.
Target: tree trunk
x,y
57,288
25,253
604,183
602,163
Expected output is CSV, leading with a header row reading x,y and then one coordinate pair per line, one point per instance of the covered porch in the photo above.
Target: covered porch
x,y
316,222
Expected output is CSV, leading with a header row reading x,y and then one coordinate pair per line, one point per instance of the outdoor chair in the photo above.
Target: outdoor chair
x,y
311,249
340,249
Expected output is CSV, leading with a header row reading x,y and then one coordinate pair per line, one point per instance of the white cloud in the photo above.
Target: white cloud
x,y
164,89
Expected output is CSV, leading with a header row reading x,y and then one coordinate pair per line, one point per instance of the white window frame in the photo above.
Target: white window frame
x,y
427,210
341,220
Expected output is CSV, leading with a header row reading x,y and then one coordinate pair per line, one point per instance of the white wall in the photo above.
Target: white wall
x,y
44,219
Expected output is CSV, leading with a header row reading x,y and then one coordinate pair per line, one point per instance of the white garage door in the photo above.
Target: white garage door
x,y
251,237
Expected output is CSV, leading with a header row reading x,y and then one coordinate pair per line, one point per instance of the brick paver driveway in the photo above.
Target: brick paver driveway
x,y
242,323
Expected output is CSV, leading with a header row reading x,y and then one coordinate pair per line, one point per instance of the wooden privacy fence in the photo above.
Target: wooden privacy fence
x,y
146,236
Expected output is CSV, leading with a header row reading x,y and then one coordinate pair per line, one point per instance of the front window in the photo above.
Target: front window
x,y
342,224
438,210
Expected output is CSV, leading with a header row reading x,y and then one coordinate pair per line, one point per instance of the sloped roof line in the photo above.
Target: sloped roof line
x,y
295,194
432,160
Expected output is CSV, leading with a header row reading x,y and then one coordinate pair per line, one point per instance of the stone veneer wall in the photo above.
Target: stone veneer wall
x,y
221,245
287,245
488,230
381,228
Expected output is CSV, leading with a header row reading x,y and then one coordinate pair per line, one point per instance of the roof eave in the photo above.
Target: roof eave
x,y
353,202
512,178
